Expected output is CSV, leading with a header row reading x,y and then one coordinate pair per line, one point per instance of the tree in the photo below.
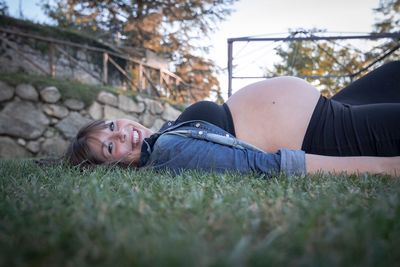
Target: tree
x,y
175,28
3,8
324,58
313,60
387,20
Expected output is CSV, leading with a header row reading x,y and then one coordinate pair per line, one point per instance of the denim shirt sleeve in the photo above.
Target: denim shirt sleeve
x,y
293,162
179,153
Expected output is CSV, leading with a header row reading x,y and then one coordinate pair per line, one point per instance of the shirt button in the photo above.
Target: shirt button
x,y
200,132
197,125
169,123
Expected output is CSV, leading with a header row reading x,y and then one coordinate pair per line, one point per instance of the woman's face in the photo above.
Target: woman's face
x,y
120,142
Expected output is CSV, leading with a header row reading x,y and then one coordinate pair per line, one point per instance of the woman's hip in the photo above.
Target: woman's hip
x,y
338,129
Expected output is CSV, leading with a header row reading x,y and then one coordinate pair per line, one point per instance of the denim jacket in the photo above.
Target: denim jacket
x,y
199,145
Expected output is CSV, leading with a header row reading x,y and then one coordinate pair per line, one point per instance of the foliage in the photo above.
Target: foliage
x,y
199,73
310,59
388,20
173,28
3,8
388,13
61,216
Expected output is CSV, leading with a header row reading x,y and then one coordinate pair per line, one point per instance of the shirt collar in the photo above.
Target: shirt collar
x,y
147,148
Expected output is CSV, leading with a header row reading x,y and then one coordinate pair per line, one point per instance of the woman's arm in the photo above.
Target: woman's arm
x,y
375,165
177,152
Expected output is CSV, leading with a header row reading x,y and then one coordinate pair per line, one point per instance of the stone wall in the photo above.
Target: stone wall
x,y
38,122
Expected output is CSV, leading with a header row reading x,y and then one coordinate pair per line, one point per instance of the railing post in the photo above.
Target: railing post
x,y
189,97
229,67
105,67
52,67
140,77
161,79
148,81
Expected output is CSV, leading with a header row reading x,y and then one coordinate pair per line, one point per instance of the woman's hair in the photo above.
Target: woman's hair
x,y
78,152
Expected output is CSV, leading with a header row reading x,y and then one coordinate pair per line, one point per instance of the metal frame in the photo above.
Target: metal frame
x,y
230,42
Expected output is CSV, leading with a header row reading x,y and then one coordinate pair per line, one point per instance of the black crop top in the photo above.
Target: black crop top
x,y
208,111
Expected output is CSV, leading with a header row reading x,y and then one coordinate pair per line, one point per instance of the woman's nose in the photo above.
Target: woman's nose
x,y
122,135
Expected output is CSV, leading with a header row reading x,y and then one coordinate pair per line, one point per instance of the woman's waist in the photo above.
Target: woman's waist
x,y
272,128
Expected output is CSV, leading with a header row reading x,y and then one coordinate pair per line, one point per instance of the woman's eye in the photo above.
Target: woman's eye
x,y
110,147
111,126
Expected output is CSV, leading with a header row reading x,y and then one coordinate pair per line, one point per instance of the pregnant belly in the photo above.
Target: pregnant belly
x,y
274,113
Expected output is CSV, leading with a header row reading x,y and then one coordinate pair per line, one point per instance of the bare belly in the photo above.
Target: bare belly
x,y
274,113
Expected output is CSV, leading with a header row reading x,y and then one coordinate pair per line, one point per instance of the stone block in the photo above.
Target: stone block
x,y
49,132
6,91
129,105
74,104
22,119
33,146
53,121
148,119
70,125
55,110
154,107
107,98
139,98
10,149
111,113
96,111
21,141
50,94
55,146
27,92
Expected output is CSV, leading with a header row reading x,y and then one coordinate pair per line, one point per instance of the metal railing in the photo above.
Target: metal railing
x,y
147,78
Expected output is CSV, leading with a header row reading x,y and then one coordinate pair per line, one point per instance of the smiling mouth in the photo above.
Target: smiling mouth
x,y
135,138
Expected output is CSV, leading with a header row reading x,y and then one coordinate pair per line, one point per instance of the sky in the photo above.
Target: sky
x,y
261,18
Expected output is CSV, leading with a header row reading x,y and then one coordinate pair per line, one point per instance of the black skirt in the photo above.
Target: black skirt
x,y
339,129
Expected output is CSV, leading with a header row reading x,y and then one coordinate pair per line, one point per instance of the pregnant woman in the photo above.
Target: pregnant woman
x,y
281,124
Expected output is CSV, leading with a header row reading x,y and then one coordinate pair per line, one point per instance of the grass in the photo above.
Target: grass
x,y
61,216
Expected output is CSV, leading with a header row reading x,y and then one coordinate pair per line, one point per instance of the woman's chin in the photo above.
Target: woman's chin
x,y
129,161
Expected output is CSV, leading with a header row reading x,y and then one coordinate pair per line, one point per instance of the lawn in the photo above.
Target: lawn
x,y
61,216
